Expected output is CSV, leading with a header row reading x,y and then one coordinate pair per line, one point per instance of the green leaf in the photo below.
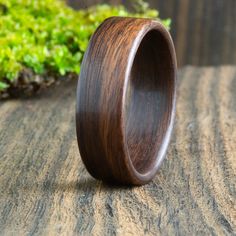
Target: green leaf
x,y
3,86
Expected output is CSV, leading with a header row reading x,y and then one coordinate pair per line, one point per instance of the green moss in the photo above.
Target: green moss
x,y
47,37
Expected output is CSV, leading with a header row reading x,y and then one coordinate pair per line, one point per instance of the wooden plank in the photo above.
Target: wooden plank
x,y
45,189
204,31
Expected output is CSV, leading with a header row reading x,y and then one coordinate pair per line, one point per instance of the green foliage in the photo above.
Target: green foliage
x,y
48,37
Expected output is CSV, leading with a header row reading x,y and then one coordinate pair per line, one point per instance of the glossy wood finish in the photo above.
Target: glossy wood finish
x,y
126,100
46,190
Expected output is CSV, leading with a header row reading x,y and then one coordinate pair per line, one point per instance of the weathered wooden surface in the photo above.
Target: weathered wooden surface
x,y
204,31
45,189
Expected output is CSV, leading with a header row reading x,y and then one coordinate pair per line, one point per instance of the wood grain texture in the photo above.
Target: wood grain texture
x,y
126,100
204,31
45,189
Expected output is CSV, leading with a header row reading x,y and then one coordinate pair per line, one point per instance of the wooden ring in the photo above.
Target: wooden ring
x,y
126,100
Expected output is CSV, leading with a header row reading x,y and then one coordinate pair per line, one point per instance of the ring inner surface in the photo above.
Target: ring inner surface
x,y
149,100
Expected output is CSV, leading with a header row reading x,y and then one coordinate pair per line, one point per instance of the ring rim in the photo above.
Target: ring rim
x,y
147,176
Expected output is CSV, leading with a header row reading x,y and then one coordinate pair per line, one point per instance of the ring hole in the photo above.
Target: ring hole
x,y
149,100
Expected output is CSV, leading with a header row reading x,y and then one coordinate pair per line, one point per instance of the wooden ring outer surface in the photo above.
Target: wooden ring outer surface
x,y
126,98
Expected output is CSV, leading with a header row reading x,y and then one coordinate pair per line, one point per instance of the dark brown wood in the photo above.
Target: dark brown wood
x,y
126,100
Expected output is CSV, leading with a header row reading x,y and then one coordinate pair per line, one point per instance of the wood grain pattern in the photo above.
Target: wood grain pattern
x,y
204,31
45,189
126,100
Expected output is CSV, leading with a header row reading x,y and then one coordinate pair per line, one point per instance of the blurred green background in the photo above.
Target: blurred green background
x,y
43,42
204,31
